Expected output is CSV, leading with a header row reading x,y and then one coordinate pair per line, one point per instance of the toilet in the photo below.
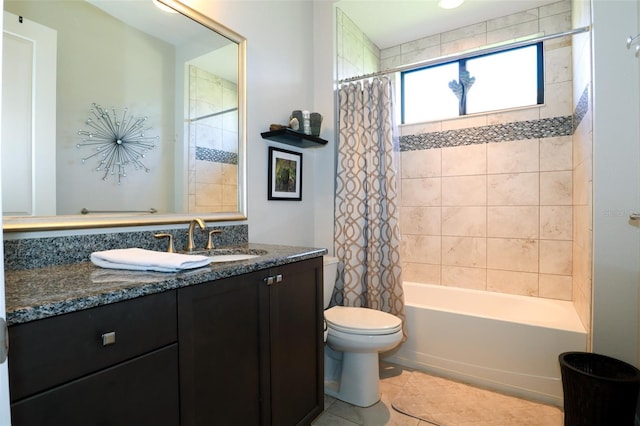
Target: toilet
x,y
353,339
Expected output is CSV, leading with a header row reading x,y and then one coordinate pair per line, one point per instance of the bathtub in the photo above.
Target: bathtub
x,y
498,341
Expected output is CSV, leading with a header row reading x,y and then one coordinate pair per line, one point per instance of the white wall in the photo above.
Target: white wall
x,y
324,49
638,320
616,180
280,79
5,417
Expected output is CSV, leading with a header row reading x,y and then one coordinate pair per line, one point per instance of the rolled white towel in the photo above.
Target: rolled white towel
x,y
138,259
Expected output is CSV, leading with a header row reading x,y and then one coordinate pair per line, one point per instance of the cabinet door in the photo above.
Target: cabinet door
x,y
295,338
219,353
142,391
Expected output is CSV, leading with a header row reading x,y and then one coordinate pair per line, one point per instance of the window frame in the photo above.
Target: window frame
x,y
462,62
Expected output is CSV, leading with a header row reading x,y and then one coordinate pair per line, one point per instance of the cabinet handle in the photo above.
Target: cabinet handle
x,y
274,279
109,338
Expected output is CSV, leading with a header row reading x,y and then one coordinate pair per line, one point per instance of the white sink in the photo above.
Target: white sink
x,y
231,257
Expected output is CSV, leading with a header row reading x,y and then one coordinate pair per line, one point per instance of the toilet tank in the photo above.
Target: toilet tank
x,y
330,270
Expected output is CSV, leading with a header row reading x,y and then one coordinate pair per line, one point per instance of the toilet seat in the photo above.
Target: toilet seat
x,y
362,321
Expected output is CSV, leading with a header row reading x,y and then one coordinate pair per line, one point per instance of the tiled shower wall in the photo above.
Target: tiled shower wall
x,y
487,200
356,54
582,165
213,143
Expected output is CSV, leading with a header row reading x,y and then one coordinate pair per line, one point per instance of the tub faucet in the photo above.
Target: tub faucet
x,y
192,226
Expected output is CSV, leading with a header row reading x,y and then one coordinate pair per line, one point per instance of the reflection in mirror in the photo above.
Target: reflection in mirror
x,y
168,71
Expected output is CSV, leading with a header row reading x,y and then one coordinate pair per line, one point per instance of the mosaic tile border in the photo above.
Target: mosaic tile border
x,y
581,108
532,129
216,155
33,253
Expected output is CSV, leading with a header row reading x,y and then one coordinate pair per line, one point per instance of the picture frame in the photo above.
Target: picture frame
x,y
285,175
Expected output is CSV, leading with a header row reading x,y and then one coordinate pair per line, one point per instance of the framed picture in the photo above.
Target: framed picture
x,y
285,175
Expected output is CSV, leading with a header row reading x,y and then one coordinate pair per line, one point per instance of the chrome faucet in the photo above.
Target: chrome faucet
x,y
192,226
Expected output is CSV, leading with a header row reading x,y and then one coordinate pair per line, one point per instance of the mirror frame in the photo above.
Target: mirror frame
x,y
64,222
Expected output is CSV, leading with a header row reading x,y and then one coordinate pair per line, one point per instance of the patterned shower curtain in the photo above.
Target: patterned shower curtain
x,y
367,234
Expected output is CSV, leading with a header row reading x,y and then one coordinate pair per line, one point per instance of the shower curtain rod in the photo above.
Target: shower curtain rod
x,y
457,56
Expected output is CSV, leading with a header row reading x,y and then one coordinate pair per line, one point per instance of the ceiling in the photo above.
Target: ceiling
x,y
144,16
221,56
392,22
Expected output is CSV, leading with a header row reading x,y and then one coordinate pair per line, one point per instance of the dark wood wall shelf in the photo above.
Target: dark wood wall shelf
x,y
293,138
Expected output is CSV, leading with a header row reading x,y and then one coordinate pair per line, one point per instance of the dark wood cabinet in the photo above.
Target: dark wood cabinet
x,y
114,364
244,350
251,352
294,340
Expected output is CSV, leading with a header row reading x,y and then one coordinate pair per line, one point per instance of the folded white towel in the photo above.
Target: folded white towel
x,y
138,259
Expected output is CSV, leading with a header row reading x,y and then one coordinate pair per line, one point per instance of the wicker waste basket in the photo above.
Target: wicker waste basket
x,y
598,390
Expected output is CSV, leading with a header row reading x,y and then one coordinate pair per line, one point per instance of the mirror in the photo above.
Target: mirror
x,y
142,122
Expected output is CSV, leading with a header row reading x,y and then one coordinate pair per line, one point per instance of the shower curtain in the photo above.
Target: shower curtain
x,y
366,233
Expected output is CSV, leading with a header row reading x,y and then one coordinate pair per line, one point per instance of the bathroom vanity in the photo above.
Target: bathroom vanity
x,y
232,343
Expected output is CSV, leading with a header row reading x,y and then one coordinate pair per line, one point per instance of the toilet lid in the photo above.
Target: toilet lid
x,y
361,320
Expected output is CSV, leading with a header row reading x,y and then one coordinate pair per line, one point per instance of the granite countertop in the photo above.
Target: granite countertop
x,y
33,294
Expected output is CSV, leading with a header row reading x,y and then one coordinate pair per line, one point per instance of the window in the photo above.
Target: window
x,y
506,79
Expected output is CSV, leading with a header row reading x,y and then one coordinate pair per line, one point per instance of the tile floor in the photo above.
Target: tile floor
x,y
392,379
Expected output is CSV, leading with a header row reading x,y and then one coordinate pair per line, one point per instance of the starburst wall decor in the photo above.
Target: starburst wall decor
x,y
118,143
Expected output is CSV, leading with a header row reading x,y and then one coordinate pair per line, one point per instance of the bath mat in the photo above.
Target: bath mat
x,y
444,402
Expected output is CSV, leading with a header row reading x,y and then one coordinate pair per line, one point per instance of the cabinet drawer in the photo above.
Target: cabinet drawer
x,y
142,391
55,350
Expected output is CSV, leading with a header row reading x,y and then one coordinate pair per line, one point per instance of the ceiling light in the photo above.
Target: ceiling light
x,y
450,4
165,8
